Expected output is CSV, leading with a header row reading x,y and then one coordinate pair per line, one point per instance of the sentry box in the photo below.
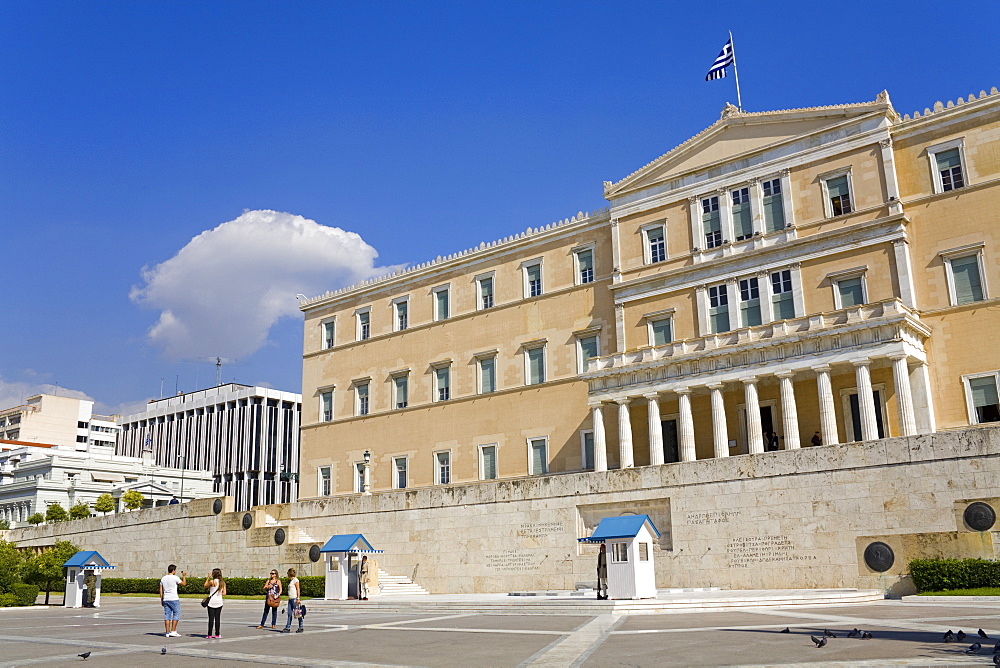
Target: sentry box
x,y
343,557
83,566
630,555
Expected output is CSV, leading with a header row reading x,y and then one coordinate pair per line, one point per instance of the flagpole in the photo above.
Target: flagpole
x,y
736,72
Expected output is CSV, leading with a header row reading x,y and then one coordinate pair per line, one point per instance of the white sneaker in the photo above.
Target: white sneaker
x,y
173,634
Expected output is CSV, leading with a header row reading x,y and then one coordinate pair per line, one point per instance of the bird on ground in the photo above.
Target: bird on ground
x,y
84,656
974,647
820,642
996,659
865,635
787,630
828,633
163,650
982,634
853,634
960,635
996,648
948,637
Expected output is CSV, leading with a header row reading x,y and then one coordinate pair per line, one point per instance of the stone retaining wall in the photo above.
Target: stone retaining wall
x,y
790,519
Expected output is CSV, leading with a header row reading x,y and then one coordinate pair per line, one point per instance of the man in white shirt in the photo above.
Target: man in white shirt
x,y
170,600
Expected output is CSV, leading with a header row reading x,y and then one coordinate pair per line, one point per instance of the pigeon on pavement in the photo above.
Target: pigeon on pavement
x,y
996,659
949,636
785,630
865,635
974,647
853,633
982,634
960,635
84,656
820,642
828,633
163,650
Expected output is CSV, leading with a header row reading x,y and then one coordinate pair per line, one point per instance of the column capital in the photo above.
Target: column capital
x,y
864,361
682,390
715,386
822,368
652,396
693,200
623,401
898,356
749,380
595,403
785,374
614,222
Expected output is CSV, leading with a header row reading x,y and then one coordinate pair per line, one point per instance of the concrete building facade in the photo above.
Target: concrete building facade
x,y
248,437
781,279
65,421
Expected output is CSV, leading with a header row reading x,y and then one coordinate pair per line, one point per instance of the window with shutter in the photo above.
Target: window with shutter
x,y
967,279
985,399
774,208
749,302
742,221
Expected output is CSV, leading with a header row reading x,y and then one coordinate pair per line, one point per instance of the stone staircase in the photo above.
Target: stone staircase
x,y
398,585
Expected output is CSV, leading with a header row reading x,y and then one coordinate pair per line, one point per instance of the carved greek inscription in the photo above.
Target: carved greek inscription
x,y
713,517
532,529
511,561
750,550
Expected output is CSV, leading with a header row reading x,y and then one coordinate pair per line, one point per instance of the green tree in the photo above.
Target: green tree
x,y
105,503
11,565
4,525
47,567
133,499
36,518
79,511
56,513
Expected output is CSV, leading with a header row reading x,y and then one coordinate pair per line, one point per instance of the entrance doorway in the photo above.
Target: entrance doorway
x,y
768,419
671,450
856,415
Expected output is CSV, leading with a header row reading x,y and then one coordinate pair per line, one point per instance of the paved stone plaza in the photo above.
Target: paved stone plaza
x,y
128,632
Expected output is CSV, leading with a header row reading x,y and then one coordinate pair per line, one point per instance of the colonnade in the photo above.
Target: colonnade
x,y
16,512
911,386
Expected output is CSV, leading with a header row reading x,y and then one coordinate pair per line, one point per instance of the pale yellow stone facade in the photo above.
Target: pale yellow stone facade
x,y
879,270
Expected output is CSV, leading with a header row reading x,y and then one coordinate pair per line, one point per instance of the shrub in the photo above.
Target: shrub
x,y
312,585
8,601
947,574
24,593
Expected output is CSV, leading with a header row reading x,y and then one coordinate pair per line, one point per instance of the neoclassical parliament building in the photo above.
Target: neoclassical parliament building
x,y
780,280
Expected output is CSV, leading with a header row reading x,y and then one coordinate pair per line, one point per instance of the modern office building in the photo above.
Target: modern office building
x,y
248,437
780,279
34,476
48,418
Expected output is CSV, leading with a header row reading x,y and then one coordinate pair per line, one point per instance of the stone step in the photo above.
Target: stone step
x,y
398,585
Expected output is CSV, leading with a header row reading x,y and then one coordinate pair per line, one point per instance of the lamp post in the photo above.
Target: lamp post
x,y
180,460
288,476
367,481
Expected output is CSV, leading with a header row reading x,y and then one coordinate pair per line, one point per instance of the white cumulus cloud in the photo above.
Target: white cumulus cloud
x,y
223,291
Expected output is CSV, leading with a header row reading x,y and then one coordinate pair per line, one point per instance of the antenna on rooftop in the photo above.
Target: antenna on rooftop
x,y
218,371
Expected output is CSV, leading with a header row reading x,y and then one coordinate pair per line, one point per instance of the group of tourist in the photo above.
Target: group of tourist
x,y
215,585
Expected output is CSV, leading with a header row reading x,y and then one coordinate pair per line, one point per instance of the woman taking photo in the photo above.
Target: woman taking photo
x,y
272,599
216,587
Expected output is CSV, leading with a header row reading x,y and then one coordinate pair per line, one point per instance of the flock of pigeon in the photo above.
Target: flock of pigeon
x,y
949,636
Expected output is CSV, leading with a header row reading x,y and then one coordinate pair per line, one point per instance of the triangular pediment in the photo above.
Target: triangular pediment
x,y
739,134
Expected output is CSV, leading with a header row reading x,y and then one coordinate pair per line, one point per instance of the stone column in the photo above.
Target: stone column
x,y
827,408
789,414
866,400
904,397
720,432
686,427
755,437
655,429
625,458
600,442
923,400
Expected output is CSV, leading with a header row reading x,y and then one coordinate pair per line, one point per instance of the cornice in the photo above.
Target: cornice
x,y
947,110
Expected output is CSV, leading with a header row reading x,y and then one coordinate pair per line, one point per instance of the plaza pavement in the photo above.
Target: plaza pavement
x,y
129,632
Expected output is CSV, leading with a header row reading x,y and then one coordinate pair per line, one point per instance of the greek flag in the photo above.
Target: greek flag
x,y
725,59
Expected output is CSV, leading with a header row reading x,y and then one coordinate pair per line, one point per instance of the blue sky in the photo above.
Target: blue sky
x,y
128,129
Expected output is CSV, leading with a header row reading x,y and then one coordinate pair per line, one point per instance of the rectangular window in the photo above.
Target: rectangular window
x,y
441,306
328,331
838,190
539,456
851,292
401,390
661,331
587,446
359,477
485,288
584,266
656,244
325,481
536,365
487,375
533,276
488,462
749,302
402,315
442,468
442,383
967,280
718,308
781,290
361,392
774,208
985,402
949,165
711,223
588,346
326,405
742,219
619,553
399,464
364,325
